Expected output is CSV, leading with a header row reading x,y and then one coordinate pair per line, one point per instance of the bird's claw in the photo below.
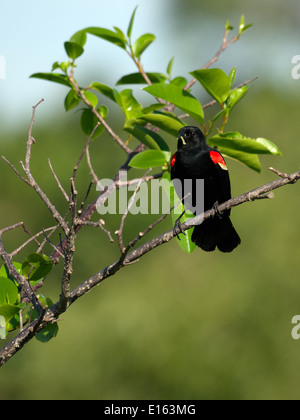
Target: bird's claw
x,y
177,229
217,213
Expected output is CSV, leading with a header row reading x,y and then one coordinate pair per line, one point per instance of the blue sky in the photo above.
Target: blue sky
x,y
32,34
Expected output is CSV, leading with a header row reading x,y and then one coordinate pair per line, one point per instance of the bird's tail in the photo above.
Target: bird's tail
x,y
214,233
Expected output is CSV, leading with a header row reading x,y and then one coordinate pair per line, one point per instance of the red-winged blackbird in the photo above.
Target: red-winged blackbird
x,y
194,160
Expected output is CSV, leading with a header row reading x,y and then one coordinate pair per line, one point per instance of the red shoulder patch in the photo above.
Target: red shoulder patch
x,y
217,158
173,159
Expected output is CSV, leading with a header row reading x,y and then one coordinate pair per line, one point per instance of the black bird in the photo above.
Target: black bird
x,y
194,160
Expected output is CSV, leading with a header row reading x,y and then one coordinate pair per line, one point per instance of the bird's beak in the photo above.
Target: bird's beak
x,y
183,140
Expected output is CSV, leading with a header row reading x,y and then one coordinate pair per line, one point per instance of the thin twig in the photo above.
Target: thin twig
x,y
99,117
32,182
134,181
33,238
58,182
85,149
225,44
130,204
85,199
16,171
93,173
99,224
101,199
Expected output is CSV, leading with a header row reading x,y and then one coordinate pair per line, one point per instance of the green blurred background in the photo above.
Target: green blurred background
x,y
174,326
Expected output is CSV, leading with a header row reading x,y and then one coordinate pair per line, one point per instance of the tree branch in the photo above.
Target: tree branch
x,y
249,196
50,315
99,117
223,47
30,179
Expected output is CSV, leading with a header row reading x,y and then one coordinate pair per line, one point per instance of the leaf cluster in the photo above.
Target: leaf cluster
x,y
15,310
171,95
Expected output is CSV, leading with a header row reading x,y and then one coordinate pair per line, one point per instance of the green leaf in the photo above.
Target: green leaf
x,y
151,108
232,76
235,96
185,241
8,291
3,331
104,89
63,66
121,34
242,26
9,312
150,159
179,81
51,330
14,322
219,114
36,267
79,37
130,106
107,35
170,67
179,97
273,149
148,137
228,27
140,45
53,77
249,159
137,78
73,49
5,273
47,333
247,27
215,82
166,122
240,143
71,100
130,26
89,121
93,100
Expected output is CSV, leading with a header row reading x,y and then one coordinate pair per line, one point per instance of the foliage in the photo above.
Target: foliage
x,y
172,103
169,94
15,310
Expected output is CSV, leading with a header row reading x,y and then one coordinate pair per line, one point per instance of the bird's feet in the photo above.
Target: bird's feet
x,y
177,229
217,213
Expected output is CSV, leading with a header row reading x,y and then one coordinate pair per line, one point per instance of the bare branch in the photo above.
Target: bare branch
x,y
33,238
88,157
130,204
99,224
58,182
91,209
84,150
16,171
30,179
